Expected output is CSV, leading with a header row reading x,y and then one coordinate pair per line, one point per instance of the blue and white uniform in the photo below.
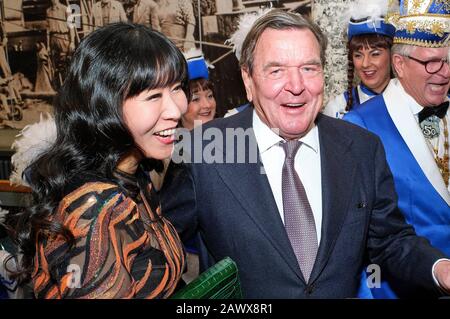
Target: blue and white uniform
x,y
336,107
423,196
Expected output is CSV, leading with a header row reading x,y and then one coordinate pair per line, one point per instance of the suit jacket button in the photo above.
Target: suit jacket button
x,y
309,289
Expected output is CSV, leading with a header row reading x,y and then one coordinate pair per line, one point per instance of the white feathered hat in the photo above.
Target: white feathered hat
x,y
368,17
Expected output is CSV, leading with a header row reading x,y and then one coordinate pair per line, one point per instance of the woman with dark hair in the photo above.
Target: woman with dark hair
x,y
202,104
369,57
95,229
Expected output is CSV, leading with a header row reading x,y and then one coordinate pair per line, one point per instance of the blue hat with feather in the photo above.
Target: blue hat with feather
x,y
368,17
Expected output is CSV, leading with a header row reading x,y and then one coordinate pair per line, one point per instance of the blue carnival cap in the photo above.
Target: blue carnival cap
x,y
424,23
197,68
370,26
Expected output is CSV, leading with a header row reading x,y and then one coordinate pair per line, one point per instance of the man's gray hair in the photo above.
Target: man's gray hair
x,y
402,49
278,20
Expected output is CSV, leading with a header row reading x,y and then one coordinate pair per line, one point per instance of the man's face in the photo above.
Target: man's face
x,y
286,84
427,89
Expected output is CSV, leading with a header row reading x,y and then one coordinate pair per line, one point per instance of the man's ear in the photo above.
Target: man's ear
x,y
248,83
398,63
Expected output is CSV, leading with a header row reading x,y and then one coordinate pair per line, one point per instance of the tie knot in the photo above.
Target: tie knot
x,y
290,148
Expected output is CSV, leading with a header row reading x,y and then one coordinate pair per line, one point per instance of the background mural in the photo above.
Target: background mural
x,y
37,42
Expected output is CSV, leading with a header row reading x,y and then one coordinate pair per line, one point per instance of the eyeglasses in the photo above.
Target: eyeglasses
x,y
432,66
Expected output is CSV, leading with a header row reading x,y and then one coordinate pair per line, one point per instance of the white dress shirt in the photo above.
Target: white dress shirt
x,y
307,166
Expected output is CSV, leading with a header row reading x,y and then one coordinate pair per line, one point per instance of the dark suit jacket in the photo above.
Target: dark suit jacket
x,y
233,209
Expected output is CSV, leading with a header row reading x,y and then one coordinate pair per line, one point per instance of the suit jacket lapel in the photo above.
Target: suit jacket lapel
x,y
252,190
259,204
336,174
404,120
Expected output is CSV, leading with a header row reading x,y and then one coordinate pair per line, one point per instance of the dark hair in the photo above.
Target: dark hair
x,y
278,20
113,63
358,42
201,83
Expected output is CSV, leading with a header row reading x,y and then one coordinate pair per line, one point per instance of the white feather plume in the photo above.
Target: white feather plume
x,y
365,9
368,8
32,141
245,23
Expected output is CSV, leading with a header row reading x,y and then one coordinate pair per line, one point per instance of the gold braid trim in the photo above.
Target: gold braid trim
x,y
421,43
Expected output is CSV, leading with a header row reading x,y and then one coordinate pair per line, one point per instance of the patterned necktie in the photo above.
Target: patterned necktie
x,y
298,215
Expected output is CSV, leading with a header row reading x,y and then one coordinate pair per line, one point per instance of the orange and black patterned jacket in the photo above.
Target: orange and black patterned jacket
x,y
124,248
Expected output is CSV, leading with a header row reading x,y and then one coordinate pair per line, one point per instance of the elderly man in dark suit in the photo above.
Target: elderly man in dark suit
x,y
308,198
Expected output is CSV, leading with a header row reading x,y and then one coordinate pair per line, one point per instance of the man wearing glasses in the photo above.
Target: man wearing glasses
x,y
413,120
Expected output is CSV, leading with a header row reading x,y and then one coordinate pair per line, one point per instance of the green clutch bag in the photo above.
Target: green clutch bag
x,y
221,281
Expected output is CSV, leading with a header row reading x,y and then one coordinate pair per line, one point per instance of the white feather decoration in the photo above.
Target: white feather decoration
x,y
245,23
368,8
361,9
32,141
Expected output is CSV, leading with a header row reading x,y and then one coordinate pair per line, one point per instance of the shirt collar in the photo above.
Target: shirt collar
x,y
367,91
266,138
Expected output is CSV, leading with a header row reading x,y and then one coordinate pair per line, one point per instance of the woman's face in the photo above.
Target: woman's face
x,y
373,67
152,118
201,108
